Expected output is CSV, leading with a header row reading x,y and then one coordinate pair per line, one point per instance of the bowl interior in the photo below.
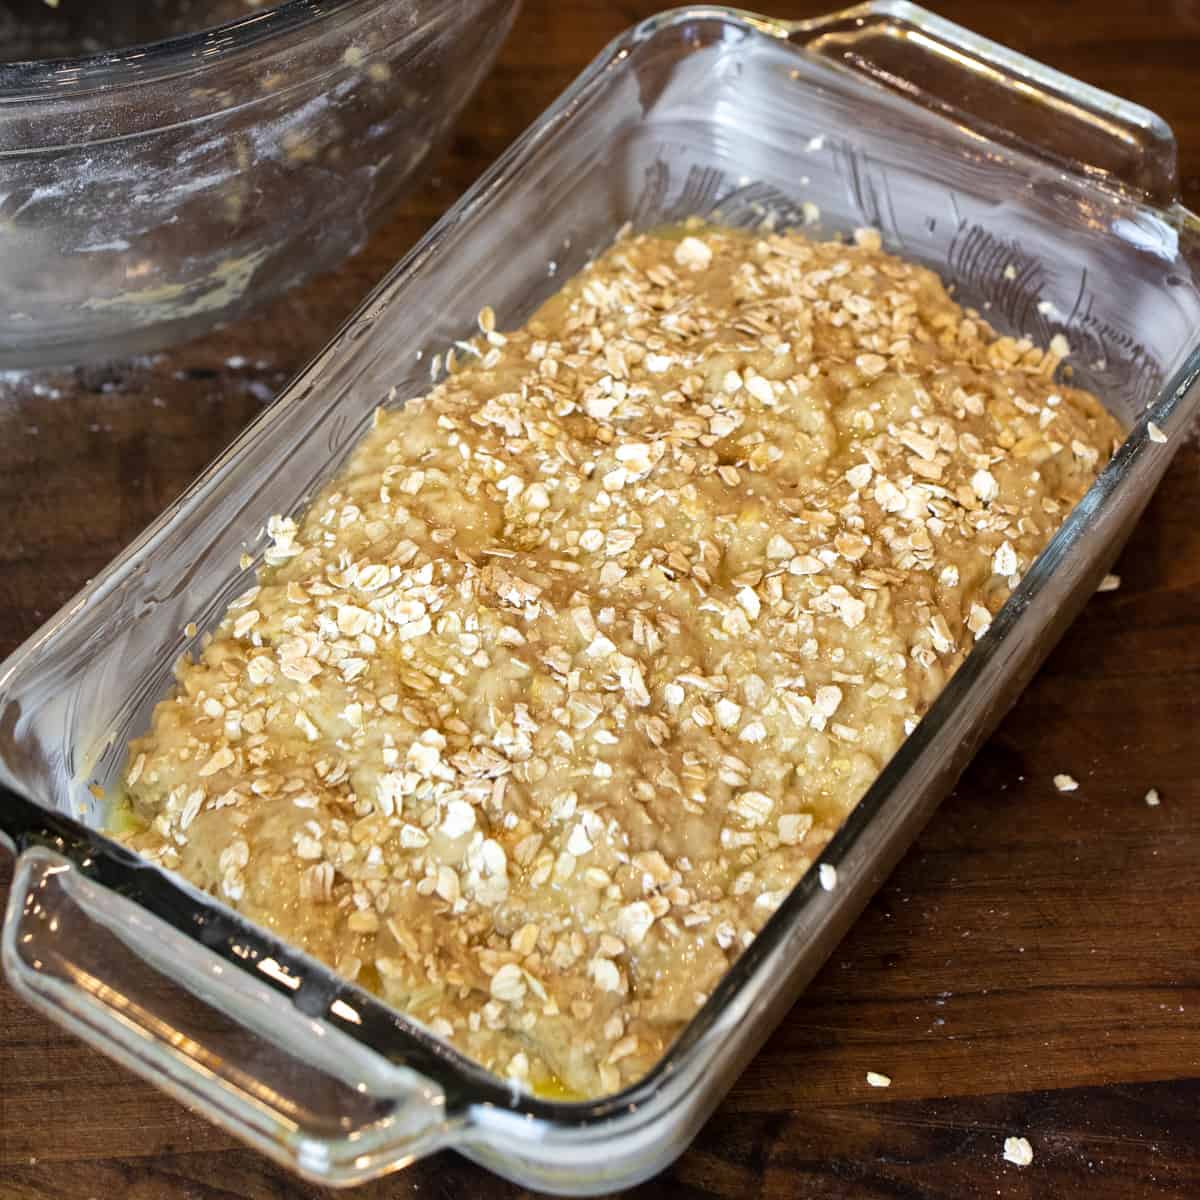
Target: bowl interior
x,y
32,30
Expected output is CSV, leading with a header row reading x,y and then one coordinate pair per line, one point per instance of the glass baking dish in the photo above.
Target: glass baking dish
x,y
1050,206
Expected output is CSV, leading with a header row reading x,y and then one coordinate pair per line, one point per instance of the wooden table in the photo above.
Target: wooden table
x,y
1032,968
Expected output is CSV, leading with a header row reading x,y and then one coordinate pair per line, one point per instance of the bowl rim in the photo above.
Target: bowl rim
x,y
47,79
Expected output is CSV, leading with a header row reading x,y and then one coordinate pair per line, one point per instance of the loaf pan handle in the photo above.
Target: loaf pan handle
x,y
213,1036
990,90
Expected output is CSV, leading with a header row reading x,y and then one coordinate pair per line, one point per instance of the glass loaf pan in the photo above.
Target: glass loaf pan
x,y
1049,205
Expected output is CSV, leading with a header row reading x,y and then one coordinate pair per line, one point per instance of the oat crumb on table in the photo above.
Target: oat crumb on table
x,y
1018,1151
553,694
1066,783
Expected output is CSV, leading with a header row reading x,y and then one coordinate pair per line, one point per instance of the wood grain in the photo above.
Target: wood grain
x,y
1031,968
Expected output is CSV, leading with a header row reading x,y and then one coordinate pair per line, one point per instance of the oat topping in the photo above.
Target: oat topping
x,y
541,709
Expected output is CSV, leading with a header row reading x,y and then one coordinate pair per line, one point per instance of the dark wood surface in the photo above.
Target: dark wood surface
x,y
1033,966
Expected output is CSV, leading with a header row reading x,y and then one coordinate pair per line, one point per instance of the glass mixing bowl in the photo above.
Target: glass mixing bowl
x,y
151,192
